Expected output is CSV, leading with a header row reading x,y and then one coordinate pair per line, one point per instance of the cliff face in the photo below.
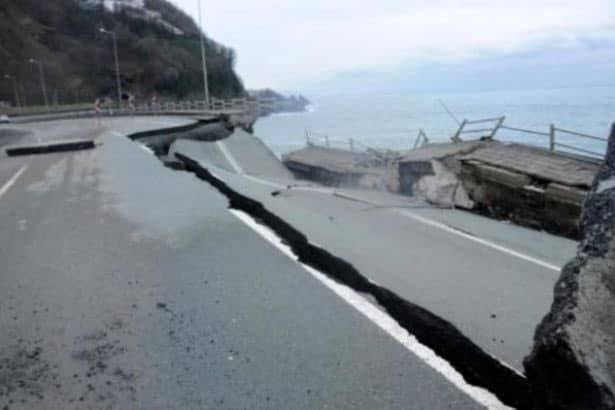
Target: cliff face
x,y
158,47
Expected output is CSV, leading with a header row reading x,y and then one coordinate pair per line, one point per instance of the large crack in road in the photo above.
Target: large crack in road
x,y
476,366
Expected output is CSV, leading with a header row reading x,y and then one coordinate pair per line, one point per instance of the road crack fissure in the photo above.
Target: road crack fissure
x,y
475,365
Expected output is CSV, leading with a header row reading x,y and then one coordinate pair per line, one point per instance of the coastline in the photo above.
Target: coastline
x,y
392,121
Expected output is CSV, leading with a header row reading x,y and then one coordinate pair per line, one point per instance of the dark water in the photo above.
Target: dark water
x,y
393,120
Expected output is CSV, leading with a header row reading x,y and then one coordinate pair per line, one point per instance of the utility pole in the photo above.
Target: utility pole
x,y
203,59
42,75
449,112
117,66
17,102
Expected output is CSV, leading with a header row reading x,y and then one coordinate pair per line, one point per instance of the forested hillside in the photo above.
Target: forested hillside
x,y
155,57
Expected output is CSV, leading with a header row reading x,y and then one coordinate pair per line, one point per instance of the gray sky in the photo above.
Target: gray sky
x,y
291,44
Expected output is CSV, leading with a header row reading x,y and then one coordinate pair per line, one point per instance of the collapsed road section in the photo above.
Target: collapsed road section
x,y
551,380
476,366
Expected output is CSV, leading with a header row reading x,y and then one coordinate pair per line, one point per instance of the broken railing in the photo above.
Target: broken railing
x,y
554,143
483,128
323,140
421,139
317,139
555,137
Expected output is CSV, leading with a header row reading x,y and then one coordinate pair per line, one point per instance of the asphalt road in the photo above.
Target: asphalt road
x,y
126,285
493,281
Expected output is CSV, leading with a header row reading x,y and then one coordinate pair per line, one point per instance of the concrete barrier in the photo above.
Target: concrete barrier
x,y
572,364
49,147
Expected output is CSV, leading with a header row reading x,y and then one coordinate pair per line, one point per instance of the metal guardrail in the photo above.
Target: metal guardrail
x,y
421,139
317,139
468,127
323,140
553,143
488,132
248,105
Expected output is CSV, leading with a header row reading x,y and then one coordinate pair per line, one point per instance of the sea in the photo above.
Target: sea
x,y
393,120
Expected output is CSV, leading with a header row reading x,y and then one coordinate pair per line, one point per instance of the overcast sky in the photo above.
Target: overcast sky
x,y
290,44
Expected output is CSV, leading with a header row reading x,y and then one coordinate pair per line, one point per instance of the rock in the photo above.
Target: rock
x,y
572,364
391,178
442,188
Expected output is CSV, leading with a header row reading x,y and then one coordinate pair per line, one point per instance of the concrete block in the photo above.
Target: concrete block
x,y
442,188
51,146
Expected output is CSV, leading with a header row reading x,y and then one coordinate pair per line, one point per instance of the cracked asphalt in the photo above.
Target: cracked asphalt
x,y
494,297
126,285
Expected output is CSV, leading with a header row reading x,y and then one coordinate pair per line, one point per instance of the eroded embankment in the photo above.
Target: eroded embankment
x,y
477,367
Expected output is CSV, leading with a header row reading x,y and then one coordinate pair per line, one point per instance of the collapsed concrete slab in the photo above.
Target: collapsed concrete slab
x,y
526,185
530,186
51,146
432,173
418,163
572,364
338,167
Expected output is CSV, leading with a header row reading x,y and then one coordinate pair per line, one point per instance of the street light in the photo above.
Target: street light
x,y
117,65
43,87
203,60
10,77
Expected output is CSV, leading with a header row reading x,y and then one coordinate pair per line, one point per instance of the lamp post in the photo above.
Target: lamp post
x,y
42,75
203,59
17,102
117,66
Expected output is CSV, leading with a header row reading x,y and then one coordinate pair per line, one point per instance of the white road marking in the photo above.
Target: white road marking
x,y
146,148
265,182
142,146
484,242
12,181
447,228
381,319
230,158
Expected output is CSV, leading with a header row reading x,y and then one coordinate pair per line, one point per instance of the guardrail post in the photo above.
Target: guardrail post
x,y
552,138
417,141
497,127
456,137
